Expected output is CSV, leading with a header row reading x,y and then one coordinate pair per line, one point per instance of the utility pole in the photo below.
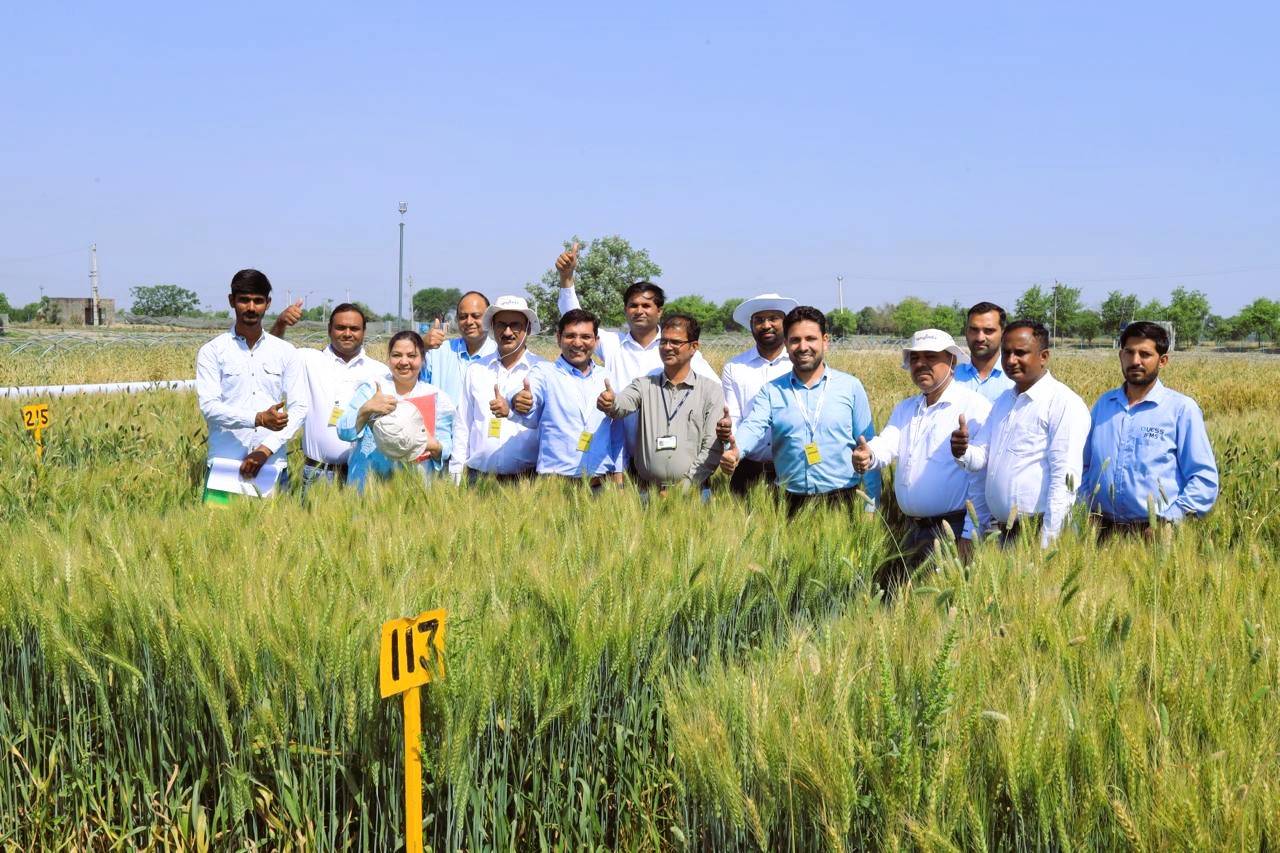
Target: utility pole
x,y
1054,336
93,285
840,291
400,276
412,317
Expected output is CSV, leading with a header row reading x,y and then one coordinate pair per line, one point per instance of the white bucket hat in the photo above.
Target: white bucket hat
x,y
932,340
763,302
510,303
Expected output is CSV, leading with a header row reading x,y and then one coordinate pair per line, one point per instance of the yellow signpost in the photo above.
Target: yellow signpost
x,y
35,418
411,654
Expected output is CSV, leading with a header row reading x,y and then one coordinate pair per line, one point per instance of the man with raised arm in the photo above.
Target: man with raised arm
x,y
677,412
814,416
244,378
1148,453
485,440
1030,451
982,329
746,373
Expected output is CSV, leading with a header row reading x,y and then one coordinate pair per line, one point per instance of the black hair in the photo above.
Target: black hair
x,y
644,286
802,313
1038,331
407,335
474,293
1153,332
344,308
691,325
987,308
251,281
577,315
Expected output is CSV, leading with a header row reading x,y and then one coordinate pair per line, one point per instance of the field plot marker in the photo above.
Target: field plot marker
x,y
35,418
410,655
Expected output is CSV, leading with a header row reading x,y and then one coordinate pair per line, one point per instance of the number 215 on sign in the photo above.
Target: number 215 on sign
x,y
35,416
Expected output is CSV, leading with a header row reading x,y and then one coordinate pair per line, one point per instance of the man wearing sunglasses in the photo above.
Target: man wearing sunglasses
x,y
676,413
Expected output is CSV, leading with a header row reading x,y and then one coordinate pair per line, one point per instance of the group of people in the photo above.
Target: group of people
x,y
992,444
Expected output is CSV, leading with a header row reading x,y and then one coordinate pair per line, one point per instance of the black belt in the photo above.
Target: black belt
x,y
339,467
936,520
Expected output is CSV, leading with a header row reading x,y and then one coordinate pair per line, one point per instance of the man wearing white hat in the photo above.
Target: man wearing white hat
x,y
485,440
746,373
930,487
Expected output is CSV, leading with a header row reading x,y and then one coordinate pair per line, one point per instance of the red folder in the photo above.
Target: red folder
x,y
427,408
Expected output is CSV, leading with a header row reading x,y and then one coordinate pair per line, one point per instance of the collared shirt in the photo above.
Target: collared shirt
x,y
234,382
1032,451
676,432
445,365
927,481
832,414
564,408
1155,450
366,458
330,384
741,380
515,448
992,387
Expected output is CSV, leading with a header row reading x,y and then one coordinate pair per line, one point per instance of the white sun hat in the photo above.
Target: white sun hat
x,y
510,303
400,434
932,340
763,302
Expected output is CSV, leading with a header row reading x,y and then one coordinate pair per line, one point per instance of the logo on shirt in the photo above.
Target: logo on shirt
x,y
1152,433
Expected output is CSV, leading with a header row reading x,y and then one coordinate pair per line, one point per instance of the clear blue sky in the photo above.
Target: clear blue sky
x,y
950,151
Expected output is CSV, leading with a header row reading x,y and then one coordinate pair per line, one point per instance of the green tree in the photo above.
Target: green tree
x,y
726,314
163,300
1188,309
867,321
5,307
606,268
1034,304
1153,310
706,312
948,318
432,302
842,322
1088,324
910,315
1260,317
1117,310
1064,306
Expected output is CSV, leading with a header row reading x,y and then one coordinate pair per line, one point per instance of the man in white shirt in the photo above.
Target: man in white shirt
x,y
930,487
1030,452
244,378
485,439
746,373
332,376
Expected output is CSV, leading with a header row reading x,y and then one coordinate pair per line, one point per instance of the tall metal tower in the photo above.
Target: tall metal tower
x,y
93,285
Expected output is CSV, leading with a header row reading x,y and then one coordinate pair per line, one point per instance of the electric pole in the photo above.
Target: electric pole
x,y
93,285
840,291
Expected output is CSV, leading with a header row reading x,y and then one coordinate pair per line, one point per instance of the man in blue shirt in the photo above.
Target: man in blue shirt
x,y
814,416
575,439
447,361
1148,455
983,329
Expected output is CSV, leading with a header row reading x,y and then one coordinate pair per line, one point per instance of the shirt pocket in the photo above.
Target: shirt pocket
x,y
272,379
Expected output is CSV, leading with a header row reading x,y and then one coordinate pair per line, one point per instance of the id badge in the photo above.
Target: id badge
x,y
334,415
584,441
666,442
495,428
811,453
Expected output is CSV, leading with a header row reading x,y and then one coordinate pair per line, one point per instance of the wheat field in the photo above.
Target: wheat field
x,y
620,677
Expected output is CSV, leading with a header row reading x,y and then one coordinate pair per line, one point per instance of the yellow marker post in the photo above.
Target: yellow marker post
x,y
35,418
410,655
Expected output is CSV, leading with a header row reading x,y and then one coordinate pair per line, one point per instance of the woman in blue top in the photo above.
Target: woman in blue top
x,y
405,353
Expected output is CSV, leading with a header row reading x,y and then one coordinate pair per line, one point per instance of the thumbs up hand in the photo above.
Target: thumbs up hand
x,y
960,439
380,403
274,418
522,402
724,426
606,399
729,458
292,314
435,337
862,456
566,264
498,405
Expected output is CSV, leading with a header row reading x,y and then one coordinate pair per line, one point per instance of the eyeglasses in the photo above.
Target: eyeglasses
x,y
672,342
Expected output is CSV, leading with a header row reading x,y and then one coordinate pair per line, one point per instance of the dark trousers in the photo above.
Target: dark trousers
x,y
840,498
917,547
1009,533
1110,527
748,473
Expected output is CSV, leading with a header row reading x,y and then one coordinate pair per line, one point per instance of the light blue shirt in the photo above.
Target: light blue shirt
x,y
564,407
365,456
445,365
834,412
992,387
1155,450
